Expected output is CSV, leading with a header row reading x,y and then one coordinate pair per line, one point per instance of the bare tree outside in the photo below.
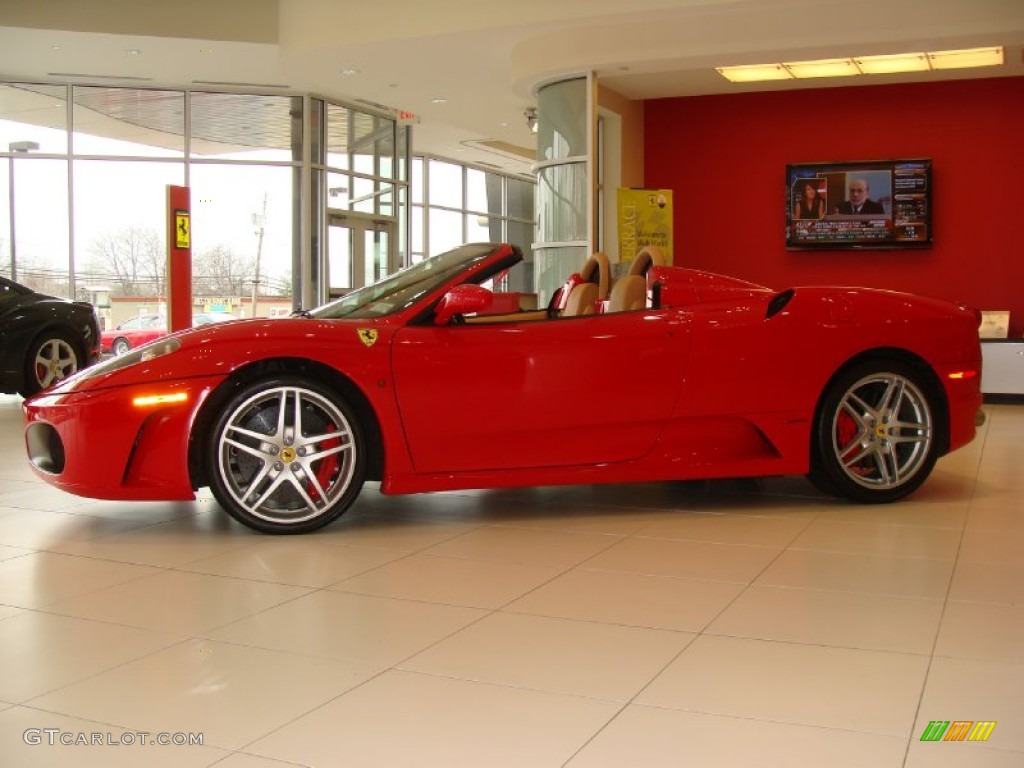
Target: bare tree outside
x,y
275,284
38,276
134,258
222,271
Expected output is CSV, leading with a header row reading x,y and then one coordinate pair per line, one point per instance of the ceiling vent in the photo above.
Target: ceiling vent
x,y
503,149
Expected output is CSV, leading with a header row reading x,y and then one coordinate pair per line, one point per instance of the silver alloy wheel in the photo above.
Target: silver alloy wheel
x,y
121,346
55,359
882,431
286,455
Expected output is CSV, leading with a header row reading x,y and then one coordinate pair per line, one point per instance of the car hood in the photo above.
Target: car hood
x,y
219,349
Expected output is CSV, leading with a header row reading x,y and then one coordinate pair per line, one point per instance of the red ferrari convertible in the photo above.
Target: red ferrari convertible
x,y
420,382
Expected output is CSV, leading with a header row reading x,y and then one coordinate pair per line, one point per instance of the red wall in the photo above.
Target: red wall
x,y
725,158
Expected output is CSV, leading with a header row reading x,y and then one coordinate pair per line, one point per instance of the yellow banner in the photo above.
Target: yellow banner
x,y
645,218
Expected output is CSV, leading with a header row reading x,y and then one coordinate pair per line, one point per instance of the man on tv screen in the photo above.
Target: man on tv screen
x,y
860,201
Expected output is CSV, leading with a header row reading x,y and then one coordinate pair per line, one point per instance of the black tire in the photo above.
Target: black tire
x,y
51,357
120,346
876,433
286,455
822,483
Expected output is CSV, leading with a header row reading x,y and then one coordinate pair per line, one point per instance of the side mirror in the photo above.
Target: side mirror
x,y
461,300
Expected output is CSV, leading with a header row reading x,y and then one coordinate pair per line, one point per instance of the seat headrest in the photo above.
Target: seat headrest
x,y
648,256
597,269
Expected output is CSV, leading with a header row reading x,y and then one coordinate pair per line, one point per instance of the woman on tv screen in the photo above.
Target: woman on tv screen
x,y
810,204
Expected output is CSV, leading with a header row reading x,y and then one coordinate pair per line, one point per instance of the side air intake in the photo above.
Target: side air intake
x,y
778,303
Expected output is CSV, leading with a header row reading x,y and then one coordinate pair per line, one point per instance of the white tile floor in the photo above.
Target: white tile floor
x,y
726,624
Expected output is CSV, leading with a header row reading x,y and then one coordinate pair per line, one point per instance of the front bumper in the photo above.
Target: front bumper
x,y
102,444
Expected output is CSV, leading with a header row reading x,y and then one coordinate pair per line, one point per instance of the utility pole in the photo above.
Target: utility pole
x,y
259,220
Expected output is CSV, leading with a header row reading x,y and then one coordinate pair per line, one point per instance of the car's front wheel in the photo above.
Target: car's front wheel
x,y
51,357
120,346
286,456
875,436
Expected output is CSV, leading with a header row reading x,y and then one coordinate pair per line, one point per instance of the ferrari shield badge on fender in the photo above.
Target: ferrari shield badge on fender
x,y
368,336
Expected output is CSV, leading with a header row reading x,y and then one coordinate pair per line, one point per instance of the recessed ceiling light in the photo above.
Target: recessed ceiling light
x,y
134,52
438,100
349,71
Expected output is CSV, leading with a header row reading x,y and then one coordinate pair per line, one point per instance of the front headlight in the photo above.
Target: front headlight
x,y
154,349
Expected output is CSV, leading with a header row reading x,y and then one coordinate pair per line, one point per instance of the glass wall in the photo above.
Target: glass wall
x,y
36,192
87,169
455,204
242,224
84,171
563,182
362,162
120,227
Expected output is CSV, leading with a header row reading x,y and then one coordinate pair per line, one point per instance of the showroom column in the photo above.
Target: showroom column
x,y
566,220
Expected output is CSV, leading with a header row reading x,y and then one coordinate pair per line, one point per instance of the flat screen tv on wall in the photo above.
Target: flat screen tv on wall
x,y
869,205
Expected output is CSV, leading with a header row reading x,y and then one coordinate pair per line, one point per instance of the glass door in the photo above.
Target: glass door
x,y
359,251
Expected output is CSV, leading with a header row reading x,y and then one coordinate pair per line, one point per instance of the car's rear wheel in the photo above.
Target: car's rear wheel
x,y
51,357
875,434
286,456
120,346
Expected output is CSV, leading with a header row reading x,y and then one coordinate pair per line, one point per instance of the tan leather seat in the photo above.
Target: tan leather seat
x,y
583,297
630,291
582,300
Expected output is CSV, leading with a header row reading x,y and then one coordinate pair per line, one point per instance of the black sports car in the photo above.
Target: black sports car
x,y
43,339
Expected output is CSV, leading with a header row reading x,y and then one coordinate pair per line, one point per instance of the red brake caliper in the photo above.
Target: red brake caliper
x,y
846,431
327,466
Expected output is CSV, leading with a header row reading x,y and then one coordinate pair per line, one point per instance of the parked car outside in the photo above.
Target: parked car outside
x,y
43,339
145,328
132,333
205,318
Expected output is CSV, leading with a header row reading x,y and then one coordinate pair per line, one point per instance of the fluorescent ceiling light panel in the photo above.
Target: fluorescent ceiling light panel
x,y
754,73
866,65
898,62
970,57
822,68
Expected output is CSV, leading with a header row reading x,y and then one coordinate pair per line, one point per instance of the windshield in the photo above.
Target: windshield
x,y
401,289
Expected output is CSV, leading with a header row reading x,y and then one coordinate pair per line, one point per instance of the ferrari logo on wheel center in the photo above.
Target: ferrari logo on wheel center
x,y
288,455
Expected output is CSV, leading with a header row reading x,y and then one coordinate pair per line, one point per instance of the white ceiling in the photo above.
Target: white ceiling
x,y
483,57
